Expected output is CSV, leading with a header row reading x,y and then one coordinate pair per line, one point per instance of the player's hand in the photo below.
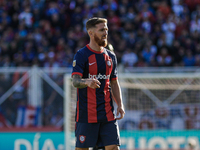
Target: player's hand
x,y
93,83
121,111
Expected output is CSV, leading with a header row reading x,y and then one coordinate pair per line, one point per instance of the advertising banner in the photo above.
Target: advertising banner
x,y
32,141
165,139
129,140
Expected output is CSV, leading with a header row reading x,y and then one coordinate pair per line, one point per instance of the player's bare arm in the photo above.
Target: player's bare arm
x,y
79,82
116,91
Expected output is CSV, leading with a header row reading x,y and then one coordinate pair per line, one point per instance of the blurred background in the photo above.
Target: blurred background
x,y
38,40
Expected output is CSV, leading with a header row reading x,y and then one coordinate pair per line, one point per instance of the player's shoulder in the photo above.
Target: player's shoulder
x,y
82,50
110,53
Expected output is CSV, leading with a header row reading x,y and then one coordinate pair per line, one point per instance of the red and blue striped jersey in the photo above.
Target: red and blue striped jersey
x,y
95,105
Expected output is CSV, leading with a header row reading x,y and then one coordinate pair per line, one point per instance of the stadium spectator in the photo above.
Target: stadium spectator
x,y
164,58
129,58
26,17
189,59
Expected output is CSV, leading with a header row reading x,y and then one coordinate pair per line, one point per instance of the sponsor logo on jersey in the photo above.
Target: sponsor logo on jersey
x,y
91,63
99,76
82,138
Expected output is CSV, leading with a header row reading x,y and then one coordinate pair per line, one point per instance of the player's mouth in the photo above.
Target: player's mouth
x,y
104,38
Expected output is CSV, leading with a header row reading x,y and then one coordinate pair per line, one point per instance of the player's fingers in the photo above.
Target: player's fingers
x,y
118,118
95,85
97,81
117,112
122,113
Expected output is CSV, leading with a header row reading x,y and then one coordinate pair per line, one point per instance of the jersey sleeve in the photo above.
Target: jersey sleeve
x,y
78,64
114,74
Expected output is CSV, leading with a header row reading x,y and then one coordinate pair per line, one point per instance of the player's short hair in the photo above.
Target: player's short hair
x,y
92,22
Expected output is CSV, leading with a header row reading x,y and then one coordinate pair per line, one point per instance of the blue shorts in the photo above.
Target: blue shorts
x,y
97,134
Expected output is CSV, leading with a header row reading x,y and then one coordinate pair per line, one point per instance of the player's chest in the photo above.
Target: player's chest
x,y
99,64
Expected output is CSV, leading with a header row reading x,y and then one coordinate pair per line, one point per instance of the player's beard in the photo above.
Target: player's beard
x,y
100,42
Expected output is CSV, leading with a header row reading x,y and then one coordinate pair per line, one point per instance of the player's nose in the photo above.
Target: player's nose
x,y
105,32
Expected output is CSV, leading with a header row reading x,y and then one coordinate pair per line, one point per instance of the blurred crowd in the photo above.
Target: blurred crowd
x,y
143,32
47,33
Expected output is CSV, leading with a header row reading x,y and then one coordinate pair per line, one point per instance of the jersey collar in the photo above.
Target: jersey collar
x,y
98,52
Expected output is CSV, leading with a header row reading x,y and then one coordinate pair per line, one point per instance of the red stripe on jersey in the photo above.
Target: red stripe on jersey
x,y
78,73
77,107
114,78
91,93
108,108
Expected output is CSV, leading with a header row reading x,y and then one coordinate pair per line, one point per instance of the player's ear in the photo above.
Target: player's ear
x,y
90,32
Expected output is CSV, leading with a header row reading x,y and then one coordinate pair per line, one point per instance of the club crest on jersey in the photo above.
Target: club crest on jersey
x,y
74,63
109,63
82,138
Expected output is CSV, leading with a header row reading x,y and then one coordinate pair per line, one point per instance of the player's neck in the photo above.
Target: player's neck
x,y
95,46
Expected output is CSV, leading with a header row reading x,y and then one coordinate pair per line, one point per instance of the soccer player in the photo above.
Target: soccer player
x,y
95,75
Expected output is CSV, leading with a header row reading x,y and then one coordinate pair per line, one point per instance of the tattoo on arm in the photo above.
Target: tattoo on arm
x,y
78,82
